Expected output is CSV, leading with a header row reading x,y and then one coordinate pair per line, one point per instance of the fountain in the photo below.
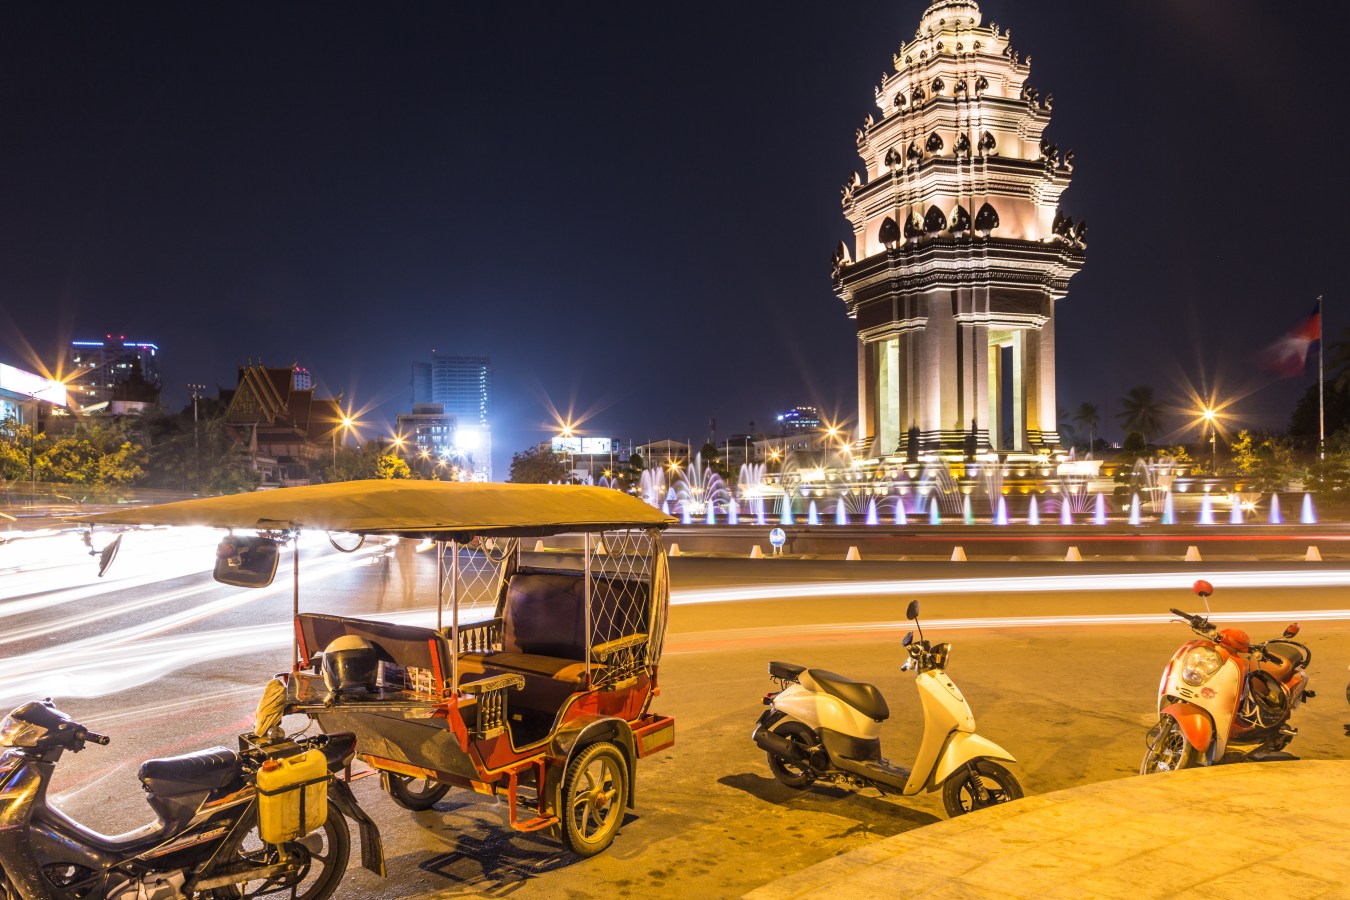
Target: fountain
x,y
1309,517
1033,512
812,517
785,512
1235,513
1134,510
967,514
1169,513
1065,513
1001,513
733,512
934,513
900,517
1099,512
1206,510
871,512
840,511
1275,517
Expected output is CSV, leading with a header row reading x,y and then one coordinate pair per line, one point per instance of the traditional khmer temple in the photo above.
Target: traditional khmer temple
x,y
960,250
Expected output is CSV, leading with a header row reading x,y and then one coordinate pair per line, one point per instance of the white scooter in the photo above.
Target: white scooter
x,y
823,726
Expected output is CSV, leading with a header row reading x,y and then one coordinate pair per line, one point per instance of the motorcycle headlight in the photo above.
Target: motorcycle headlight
x,y
1200,664
15,732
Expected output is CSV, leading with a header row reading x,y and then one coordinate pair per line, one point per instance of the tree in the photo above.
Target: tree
x,y
1141,412
391,466
1087,416
1134,445
1266,462
1335,399
536,466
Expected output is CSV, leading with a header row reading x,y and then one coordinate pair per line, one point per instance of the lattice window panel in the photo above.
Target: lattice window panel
x,y
484,566
626,595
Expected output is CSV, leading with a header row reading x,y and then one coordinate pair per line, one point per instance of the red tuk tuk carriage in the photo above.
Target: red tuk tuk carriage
x,y
535,682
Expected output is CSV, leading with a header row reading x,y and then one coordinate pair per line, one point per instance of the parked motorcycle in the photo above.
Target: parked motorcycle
x,y
823,726
213,820
1223,690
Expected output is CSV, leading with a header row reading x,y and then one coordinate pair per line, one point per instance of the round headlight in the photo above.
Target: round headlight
x,y
1200,664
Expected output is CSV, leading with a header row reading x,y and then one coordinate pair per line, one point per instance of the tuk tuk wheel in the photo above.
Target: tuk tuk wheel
x,y
416,794
594,794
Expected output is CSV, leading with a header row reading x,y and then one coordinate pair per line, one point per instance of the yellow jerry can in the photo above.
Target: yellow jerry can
x,y
292,796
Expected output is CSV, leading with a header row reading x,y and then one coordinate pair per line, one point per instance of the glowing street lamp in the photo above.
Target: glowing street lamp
x,y
344,424
1210,416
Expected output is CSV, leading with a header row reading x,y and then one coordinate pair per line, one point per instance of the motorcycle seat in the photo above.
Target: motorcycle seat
x,y
1293,655
202,770
858,694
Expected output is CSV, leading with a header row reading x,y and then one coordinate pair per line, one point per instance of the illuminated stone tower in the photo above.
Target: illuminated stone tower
x,y
960,251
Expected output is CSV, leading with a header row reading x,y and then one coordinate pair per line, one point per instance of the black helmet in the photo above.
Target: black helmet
x,y
350,664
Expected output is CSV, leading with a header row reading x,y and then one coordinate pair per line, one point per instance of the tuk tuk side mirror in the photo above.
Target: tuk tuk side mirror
x,y
246,561
908,639
1291,631
912,612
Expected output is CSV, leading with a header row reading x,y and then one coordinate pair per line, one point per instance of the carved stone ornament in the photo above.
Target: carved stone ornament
x,y
893,158
981,84
913,154
959,221
960,86
1068,160
987,145
935,143
889,235
986,220
938,86
962,148
917,95
1080,233
934,220
913,226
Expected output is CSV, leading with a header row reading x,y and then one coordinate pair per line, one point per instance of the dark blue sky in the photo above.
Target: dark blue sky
x,y
631,207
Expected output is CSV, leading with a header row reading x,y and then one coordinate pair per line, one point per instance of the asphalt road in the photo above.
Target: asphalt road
x,y
1061,672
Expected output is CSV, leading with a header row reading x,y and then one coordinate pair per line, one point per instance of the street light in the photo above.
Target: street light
x,y
345,423
196,391
1210,416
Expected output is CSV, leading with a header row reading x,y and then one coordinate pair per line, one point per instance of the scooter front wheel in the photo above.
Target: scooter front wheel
x,y
791,773
980,783
1169,750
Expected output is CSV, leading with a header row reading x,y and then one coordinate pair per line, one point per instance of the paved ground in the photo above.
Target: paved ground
x,y
166,661
1232,831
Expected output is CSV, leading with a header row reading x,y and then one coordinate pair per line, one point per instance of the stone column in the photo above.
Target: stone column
x,y
1049,411
1019,392
866,392
994,357
888,390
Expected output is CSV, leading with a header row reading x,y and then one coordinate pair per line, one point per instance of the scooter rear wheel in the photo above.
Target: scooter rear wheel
x,y
978,784
1170,751
793,774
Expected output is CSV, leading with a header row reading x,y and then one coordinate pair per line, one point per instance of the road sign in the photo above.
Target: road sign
x,y
778,537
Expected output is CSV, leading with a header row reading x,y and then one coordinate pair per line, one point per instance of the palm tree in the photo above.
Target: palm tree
x,y
1140,412
1087,417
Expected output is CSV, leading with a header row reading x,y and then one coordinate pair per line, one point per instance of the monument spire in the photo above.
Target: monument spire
x,y
960,250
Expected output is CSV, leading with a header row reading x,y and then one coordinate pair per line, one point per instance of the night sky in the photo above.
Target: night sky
x,y
631,207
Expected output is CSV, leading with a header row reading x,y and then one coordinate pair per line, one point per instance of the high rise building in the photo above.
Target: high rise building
x,y
463,387
960,250
100,367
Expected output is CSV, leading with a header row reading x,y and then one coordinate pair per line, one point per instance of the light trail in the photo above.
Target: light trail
x,y
697,642
94,667
1035,584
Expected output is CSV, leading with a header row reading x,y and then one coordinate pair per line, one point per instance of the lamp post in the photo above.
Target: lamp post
x,y
32,436
344,423
1209,416
196,390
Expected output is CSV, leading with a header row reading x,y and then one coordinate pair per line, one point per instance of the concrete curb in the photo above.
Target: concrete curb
x,y
1216,832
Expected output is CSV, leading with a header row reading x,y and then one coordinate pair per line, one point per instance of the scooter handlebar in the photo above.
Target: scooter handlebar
x,y
94,737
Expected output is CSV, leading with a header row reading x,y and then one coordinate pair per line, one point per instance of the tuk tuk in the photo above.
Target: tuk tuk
x,y
536,680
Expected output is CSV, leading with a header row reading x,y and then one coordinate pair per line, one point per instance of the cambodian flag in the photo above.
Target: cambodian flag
x,y
1288,356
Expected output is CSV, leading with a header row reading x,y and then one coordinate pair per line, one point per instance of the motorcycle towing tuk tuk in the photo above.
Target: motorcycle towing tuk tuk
x,y
535,680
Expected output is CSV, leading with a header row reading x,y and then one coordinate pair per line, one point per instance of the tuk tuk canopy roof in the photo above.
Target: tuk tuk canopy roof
x,y
421,508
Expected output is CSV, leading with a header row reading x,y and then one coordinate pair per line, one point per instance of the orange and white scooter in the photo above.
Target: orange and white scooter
x,y
1223,690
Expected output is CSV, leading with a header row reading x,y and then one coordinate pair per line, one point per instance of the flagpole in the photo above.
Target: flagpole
x,y
1321,407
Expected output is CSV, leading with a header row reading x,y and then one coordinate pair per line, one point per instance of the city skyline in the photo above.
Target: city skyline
x,y
630,213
